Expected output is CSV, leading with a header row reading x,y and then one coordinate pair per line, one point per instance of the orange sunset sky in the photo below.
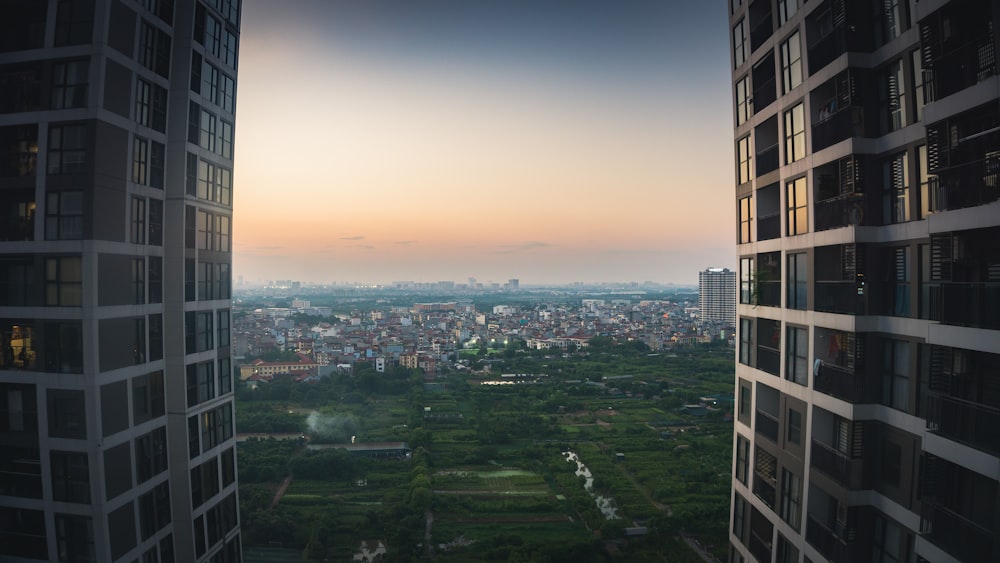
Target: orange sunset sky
x,y
548,141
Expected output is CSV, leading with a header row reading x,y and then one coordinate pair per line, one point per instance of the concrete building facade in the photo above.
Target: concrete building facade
x,y
867,164
116,186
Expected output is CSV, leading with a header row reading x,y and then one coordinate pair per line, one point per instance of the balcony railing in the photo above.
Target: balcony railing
x,y
964,421
832,544
967,185
767,160
769,227
846,123
835,464
974,305
17,229
763,488
767,426
759,547
769,360
846,211
958,535
965,66
844,384
840,297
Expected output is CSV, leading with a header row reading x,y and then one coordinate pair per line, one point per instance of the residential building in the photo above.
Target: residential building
x,y
866,136
116,123
717,296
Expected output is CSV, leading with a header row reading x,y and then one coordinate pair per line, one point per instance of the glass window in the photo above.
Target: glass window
x,y
928,185
746,341
139,282
207,132
794,434
918,85
896,190
67,414
151,454
70,477
791,63
791,498
140,160
746,280
222,223
894,97
786,9
797,360
69,84
746,220
137,231
745,155
742,458
797,281
739,45
896,374
744,100
67,149
899,277
74,22
143,102
795,134
64,281
798,208
224,146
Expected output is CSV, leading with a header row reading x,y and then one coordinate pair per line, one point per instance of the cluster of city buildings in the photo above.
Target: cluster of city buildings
x,y
867,165
429,335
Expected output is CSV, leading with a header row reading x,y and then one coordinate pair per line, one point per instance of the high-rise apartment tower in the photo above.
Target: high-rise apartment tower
x,y
116,430
867,163
717,296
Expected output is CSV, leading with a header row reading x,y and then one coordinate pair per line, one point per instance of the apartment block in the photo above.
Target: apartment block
x,y
717,296
116,186
867,167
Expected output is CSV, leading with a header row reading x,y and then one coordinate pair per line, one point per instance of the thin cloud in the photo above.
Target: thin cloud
x,y
522,247
355,237
404,242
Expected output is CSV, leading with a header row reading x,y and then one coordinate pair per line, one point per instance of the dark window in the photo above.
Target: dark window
x,y
118,469
74,22
138,284
122,521
147,397
154,510
746,280
157,163
742,458
896,374
200,383
155,219
198,331
150,454
75,538
154,49
67,414
794,434
155,281
67,149
69,84
228,467
114,407
797,281
137,233
225,376
891,463
140,160
19,144
70,477
746,341
64,281
193,444
155,337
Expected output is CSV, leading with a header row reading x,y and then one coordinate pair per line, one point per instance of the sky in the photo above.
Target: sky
x,y
551,141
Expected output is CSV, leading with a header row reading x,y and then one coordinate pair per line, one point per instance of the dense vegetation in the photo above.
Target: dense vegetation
x,y
488,470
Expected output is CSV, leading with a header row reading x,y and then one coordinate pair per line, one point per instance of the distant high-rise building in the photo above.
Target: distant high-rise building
x,y
514,284
867,136
116,183
717,296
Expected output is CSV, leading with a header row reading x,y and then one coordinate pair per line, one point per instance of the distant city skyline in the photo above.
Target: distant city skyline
x,y
380,141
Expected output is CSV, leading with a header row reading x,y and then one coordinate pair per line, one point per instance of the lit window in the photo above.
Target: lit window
x,y
791,63
798,209
786,9
739,45
894,97
746,220
795,134
744,100
745,154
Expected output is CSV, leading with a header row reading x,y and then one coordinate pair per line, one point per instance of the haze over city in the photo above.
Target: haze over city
x,y
547,141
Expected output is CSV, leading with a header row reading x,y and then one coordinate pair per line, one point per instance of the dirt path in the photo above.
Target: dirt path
x,y
281,491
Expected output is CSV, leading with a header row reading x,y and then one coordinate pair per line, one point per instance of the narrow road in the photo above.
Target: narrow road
x,y
281,490
697,548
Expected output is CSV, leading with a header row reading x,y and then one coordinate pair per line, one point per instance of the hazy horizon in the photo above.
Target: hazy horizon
x,y
544,141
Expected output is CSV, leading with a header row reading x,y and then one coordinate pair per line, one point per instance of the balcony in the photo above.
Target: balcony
x,y
844,124
769,293
767,160
763,488
844,384
17,229
832,544
837,465
759,547
959,536
845,297
769,360
962,67
846,211
965,422
769,227
974,305
767,426
967,185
